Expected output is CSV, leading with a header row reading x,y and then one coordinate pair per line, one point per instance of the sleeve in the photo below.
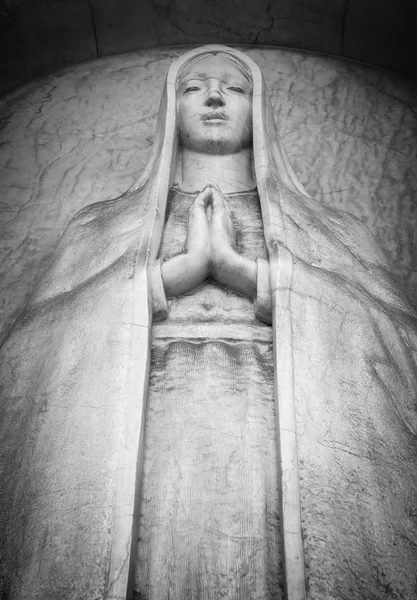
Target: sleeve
x,y
263,302
159,301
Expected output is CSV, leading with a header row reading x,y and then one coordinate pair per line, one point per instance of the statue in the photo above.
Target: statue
x,y
212,391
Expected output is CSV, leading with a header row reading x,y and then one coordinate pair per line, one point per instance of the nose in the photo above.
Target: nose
x,y
214,97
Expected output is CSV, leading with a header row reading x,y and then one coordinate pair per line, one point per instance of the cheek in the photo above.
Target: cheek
x,y
244,122
184,123
187,117
248,120
243,111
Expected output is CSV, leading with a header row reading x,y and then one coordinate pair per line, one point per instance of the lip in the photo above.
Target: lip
x,y
215,116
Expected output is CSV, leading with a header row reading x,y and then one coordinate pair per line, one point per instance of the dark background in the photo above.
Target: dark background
x,y
38,37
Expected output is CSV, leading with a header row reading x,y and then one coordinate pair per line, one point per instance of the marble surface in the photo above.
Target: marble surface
x,y
83,135
39,37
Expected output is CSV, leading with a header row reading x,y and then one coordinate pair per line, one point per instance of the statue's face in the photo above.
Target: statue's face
x,y
214,106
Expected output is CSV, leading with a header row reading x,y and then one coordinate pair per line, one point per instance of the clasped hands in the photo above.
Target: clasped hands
x,y
210,250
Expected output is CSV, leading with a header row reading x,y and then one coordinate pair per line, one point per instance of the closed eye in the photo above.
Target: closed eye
x,y
236,88
192,88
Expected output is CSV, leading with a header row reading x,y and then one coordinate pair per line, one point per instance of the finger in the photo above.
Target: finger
x,y
200,204
204,197
217,197
222,199
209,212
202,200
219,191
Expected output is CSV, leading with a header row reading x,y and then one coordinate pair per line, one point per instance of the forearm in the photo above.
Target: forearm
x,y
181,274
237,273
249,278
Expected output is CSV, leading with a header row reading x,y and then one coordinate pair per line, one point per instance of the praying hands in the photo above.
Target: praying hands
x,y
210,251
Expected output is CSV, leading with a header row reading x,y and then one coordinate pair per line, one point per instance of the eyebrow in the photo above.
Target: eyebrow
x,y
203,76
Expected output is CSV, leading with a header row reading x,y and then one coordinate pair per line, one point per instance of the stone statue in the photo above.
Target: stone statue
x,y
212,392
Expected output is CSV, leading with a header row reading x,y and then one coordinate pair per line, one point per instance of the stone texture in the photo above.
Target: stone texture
x,y
41,36
84,134
293,24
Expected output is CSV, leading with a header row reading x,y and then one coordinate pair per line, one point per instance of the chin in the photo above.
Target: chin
x,y
219,145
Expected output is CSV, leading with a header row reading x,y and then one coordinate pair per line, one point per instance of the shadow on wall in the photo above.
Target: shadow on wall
x,y
38,37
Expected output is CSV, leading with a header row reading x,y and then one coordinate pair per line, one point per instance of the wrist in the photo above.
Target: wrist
x,y
263,302
246,275
182,273
236,272
159,302
196,266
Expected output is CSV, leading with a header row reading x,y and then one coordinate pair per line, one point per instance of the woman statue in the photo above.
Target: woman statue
x,y
261,339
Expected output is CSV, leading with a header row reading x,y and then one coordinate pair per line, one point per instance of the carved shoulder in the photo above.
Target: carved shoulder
x,y
96,237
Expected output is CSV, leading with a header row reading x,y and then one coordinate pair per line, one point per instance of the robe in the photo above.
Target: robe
x,y
210,503
73,391
74,388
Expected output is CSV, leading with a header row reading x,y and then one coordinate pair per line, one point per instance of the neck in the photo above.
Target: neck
x,y
231,172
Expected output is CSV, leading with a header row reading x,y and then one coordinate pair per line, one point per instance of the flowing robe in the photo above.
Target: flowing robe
x,y
73,388
355,390
210,504
73,381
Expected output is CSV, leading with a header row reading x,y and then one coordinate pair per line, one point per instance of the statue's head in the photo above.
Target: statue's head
x,y
215,101
214,104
